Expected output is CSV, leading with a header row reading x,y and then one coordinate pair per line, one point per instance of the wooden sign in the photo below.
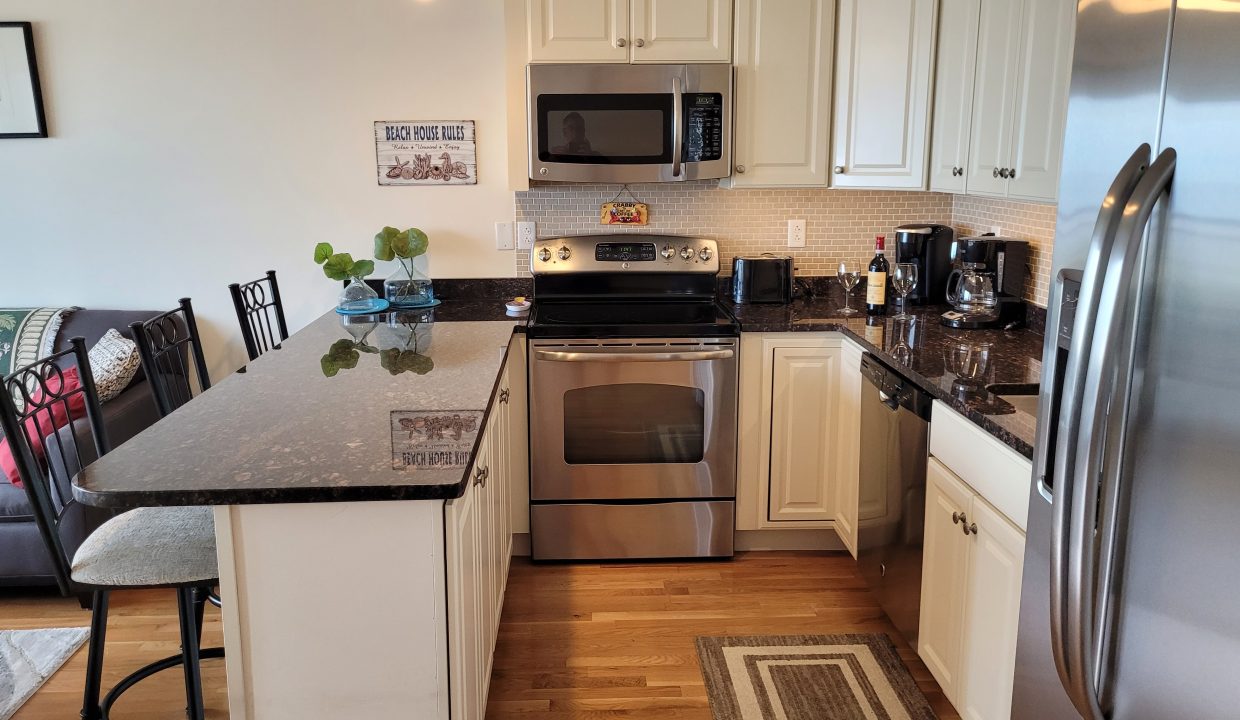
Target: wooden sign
x,y
433,439
426,153
624,213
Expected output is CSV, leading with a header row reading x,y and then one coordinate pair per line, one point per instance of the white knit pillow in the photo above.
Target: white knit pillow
x,y
114,360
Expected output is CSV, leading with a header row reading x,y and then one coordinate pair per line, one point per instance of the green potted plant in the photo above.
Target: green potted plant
x,y
357,295
407,286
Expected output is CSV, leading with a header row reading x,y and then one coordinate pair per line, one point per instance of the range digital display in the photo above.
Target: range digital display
x,y
624,252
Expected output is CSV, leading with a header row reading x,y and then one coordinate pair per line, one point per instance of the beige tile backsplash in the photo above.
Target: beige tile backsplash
x,y
840,224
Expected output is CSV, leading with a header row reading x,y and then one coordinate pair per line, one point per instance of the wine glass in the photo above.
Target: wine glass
x,y
849,278
904,279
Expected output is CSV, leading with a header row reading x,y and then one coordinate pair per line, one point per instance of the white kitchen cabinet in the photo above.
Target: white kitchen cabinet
x,y
953,94
624,31
973,557
1002,82
848,447
884,63
783,56
804,420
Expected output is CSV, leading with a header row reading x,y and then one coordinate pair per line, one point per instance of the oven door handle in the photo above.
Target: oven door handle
x,y
623,357
678,127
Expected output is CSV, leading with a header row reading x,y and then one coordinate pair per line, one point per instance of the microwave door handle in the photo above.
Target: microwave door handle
x,y
678,126
1109,216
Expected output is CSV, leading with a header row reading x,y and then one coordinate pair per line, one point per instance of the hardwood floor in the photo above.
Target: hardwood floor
x,y
577,641
617,641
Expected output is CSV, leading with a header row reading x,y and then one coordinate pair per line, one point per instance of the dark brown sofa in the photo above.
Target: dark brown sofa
x,y
24,561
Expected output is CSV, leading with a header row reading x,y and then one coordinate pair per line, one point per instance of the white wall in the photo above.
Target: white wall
x,y
194,144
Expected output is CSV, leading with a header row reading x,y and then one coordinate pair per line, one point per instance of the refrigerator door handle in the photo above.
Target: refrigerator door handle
x,y
1105,389
1109,216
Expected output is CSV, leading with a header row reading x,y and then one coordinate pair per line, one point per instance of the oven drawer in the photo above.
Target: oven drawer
x,y
590,531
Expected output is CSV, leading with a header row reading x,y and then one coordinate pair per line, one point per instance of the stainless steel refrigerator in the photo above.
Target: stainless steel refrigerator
x,y
1130,607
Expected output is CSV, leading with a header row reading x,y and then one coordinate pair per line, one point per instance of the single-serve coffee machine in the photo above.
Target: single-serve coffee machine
x,y
928,247
986,287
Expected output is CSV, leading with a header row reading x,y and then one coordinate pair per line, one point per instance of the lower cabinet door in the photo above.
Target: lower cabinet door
x,y
464,609
991,614
804,417
944,570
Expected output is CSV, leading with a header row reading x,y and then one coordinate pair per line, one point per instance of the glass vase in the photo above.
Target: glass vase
x,y
408,286
357,296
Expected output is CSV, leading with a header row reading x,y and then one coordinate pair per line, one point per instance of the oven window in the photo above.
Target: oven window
x,y
612,129
634,424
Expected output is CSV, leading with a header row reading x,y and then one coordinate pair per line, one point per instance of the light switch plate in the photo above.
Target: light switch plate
x,y
503,236
796,233
525,236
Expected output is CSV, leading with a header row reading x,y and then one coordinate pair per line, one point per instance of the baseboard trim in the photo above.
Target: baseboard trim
x,y
745,541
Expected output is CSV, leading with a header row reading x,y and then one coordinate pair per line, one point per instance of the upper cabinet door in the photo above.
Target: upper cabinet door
x,y
588,31
804,416
1042,102
681,31
953,93
882,93
995,90
783,92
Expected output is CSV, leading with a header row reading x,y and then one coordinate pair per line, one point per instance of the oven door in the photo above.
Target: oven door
x,y
633,419
629,123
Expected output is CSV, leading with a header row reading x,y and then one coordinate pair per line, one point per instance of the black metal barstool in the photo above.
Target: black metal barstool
x,y
260,314
150,547
166,344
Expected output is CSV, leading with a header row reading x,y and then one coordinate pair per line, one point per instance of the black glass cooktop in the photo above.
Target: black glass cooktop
x,y
630,318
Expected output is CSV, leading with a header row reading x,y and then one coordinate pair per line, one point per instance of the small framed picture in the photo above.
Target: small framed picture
x,y
21,100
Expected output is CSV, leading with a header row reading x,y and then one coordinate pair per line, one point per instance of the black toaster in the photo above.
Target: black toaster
x,y
762,278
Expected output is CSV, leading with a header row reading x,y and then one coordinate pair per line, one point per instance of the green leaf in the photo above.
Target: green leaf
x,y
337,266
362,268
397,361
340,356
370,349
383,243
7,322
322,251
411,243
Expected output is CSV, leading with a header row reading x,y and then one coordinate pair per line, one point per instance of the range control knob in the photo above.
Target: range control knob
x,y
686,252
564,252
668,252
544,254
705,254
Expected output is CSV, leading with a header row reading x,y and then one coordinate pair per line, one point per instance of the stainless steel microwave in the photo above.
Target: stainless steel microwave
x,y
629,123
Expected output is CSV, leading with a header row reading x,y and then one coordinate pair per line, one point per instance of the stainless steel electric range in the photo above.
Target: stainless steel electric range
x,y
633,387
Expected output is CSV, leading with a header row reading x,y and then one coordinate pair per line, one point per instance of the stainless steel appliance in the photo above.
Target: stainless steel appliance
x,y
629,123
929,247
765,278
986,287
633,386
1128,604
895,439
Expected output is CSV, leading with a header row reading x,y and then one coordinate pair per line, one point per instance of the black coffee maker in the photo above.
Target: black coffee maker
x,y
929,248
986,287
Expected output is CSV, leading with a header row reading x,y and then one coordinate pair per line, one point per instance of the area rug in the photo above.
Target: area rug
x,y
28,658
809,677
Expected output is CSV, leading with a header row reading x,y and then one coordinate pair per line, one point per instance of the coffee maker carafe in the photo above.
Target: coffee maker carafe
x,y
986,287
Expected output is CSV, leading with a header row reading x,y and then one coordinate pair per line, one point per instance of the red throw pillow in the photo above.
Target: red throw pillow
x,y
46,421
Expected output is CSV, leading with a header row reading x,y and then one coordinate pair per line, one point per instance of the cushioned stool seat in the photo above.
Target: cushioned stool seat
x,y
150,546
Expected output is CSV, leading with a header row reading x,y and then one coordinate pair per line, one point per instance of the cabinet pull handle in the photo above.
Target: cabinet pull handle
x,y
639,43
479,477
621,42
740,169
503,396
839,169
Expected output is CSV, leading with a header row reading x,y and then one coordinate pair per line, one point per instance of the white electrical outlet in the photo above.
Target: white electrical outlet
x,y
796,233
525,236
503,236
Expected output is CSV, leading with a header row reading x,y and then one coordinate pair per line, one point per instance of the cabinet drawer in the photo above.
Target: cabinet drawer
x,y
998,473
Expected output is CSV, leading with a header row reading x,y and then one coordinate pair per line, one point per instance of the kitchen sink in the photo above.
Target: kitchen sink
x,y
1022,396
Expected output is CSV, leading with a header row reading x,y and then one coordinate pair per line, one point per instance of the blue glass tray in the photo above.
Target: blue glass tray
x,y
423,306
377,305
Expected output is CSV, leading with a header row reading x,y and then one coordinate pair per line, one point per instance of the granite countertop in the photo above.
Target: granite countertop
x,y
312,421
921,351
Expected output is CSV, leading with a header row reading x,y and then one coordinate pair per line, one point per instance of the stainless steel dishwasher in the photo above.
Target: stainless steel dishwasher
x,y
895,437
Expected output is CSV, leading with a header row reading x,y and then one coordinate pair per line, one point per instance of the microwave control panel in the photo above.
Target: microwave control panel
x,y
703,126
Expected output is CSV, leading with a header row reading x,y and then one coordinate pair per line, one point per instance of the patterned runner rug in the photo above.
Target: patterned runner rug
x,y
809,677
28,658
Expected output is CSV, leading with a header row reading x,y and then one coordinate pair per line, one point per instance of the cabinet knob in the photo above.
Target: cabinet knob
x,y
503,396
1011,173
1003,173
957,171
955,518
479,478
639,43
970,528
740,169
839,169
621,42
994,173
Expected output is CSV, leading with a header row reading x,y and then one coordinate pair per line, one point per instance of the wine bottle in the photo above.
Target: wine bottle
x,y
876,281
